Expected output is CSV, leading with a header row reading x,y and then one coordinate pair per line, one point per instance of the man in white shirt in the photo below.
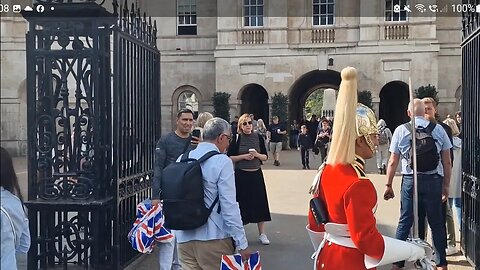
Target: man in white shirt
x,y
203,247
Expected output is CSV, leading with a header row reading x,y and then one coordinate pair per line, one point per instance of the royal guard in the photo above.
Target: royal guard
x,y
341,220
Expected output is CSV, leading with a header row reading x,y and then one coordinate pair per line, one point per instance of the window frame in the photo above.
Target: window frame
x,y
256,16
319,15
189,28
394,2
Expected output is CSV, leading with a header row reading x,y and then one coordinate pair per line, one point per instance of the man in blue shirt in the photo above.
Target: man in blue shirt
x,y
203,247
432,185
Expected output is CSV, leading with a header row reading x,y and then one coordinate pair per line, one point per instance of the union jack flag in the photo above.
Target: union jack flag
x,y
234,262
148,230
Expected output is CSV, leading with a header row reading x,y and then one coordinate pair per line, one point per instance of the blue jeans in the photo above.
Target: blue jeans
x,y
168,256
457,204
430,199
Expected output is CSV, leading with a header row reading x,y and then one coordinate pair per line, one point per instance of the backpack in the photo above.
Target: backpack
x,y
183,194
383,138
427,152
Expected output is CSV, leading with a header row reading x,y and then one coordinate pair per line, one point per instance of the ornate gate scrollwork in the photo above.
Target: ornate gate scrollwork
x,y
93,120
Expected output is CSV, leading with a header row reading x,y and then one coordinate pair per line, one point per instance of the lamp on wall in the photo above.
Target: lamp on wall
x,y
330,62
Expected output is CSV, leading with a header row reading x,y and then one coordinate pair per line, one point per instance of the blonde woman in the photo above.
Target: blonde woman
x,y
261,128
201,120
248,152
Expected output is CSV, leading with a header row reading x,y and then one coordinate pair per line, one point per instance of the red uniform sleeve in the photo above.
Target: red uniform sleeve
x,y
359,200
313,224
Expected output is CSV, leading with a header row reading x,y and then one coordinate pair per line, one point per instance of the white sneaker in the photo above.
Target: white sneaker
x,y
263,238
451,250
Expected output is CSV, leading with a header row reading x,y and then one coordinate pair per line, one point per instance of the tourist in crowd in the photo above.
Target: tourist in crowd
x,y
324,134
201,120
248,153
168,148
304,145
254,122
432,185
15,234
384,139
455,191
203,247
234,126
276,132
262,129
458,119
294,131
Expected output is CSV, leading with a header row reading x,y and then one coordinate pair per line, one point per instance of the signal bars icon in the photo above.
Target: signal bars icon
x,y
420,7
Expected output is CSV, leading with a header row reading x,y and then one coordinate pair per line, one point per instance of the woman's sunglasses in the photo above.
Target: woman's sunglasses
x,y
247,123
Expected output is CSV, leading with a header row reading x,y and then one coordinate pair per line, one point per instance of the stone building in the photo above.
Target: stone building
x,y
252,49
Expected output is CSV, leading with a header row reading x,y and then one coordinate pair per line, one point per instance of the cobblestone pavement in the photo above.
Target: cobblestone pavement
x,y
287,187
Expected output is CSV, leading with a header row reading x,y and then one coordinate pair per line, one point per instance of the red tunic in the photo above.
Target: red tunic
x,y
350,198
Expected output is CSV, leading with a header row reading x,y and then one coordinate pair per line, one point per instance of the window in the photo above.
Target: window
x,y
323,12
392,15
187,17
188,100
253,12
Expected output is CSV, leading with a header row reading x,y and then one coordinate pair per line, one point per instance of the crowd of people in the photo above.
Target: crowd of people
x,y
236,179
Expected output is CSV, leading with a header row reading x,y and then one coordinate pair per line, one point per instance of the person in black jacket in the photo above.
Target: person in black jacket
x,y
304,145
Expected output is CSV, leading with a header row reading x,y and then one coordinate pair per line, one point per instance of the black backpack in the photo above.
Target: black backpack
x,y
427,152
183,194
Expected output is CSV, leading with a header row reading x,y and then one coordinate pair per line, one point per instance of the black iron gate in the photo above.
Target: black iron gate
x,y
91,132
471,135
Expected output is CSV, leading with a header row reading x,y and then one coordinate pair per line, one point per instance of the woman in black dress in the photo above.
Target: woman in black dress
x,y
248,152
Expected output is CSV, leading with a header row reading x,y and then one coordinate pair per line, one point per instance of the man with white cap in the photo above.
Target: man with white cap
x,y
347,237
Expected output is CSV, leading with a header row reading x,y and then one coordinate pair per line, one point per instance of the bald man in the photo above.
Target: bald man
x,y
432,184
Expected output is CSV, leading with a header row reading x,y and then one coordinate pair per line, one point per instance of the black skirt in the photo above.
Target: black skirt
x,y
252,196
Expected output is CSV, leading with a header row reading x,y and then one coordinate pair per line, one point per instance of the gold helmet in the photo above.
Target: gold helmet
x,y
366,124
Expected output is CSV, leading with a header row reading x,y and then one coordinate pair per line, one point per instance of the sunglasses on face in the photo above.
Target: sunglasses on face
x,y
247,123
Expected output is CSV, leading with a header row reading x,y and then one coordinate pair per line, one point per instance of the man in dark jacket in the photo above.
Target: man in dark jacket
x,y
169,147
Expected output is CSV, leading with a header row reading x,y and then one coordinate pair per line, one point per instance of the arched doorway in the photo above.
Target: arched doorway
x,y
255,101
306,85
394,99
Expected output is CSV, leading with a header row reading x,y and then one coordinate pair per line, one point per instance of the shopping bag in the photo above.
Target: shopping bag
x,y
148,230
234,262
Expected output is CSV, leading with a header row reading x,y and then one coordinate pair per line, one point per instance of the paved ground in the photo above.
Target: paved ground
x,y
287,187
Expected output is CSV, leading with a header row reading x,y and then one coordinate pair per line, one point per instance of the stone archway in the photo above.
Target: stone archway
x,y
254,101
306,85
394,99
186,97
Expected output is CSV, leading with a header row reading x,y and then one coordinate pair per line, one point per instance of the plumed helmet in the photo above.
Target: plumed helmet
x,y
366,121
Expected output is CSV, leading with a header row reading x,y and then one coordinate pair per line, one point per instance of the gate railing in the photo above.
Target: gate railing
x,y
471,136
136,84
89,162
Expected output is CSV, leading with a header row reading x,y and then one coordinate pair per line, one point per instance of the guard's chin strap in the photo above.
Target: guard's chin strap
x,y
370,143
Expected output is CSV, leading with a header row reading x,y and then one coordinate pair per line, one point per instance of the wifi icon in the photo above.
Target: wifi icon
x,y
420,7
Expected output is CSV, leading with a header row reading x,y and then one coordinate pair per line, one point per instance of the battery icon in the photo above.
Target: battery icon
x,y
478,8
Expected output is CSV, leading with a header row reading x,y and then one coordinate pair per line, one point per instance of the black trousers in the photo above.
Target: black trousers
x,y
305,154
